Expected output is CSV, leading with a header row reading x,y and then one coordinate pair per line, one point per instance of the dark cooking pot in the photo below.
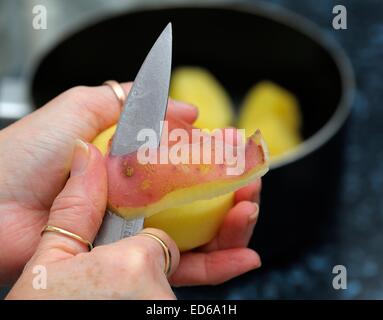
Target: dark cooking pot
x,y
241,47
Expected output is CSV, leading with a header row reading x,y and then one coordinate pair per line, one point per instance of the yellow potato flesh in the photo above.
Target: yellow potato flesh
x,y
194,224
199,87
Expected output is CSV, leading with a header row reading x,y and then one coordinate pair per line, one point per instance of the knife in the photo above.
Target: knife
x,y
145,107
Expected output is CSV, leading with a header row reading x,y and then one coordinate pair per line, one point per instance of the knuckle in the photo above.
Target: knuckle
x,y
139,258
77,92
77,97
87,101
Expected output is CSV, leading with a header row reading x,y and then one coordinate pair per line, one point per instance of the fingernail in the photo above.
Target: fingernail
x,y
80,158
183,105
254,216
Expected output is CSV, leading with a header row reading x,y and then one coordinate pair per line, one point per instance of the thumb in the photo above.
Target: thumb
x,y
80,206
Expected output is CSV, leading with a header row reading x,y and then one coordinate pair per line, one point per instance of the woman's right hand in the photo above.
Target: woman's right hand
x,y
132,268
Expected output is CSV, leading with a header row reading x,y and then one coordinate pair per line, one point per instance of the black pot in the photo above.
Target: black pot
x,y
240,46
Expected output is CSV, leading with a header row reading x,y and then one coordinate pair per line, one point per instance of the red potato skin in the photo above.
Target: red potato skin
x,y
135,185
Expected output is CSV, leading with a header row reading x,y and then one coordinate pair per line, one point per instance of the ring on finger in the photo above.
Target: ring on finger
x,y
117,89
167,253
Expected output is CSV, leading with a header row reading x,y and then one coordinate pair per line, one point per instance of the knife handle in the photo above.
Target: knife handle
x,y
115,228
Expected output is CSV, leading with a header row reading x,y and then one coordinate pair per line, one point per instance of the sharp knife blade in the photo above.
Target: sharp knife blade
x,y
145,107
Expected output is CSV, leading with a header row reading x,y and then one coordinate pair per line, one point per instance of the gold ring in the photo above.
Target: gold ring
x,y
167,254
118,90
68,234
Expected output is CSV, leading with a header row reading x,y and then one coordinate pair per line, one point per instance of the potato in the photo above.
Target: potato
x,y
274,111
199,87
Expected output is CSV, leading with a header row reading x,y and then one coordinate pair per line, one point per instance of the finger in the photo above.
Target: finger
x,y
236,229
80,206
139,259
249,193
153,248
182,110
197,268
94,109
170,244
179,109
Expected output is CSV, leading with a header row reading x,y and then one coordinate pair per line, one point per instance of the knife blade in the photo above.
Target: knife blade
x,y
145,107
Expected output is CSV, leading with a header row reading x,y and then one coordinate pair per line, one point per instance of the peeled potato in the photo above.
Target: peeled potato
x,y
199,87
269,99
274,111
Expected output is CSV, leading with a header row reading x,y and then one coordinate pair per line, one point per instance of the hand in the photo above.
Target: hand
x,y
35,158
132,268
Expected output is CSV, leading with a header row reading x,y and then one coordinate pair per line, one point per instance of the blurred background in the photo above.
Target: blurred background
x,y
353,237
